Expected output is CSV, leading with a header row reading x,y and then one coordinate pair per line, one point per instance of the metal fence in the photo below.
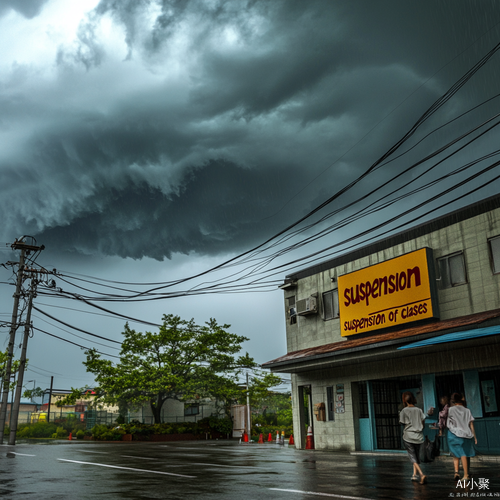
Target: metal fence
x,y
99,417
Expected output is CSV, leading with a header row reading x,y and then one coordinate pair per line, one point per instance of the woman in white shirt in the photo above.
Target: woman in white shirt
x,y
413,419
461,434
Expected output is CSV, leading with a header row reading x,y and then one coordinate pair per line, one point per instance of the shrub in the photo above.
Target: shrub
x,y
37,430
120,419
80,434
105,433
60,433
285,417
222,425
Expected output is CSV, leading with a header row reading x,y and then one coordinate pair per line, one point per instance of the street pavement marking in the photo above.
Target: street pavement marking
x,y
140,458
319,494
92,451
237,466
21,454
125,468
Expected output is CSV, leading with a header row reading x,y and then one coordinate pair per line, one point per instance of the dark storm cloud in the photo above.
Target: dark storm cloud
x,y
27,8
216,116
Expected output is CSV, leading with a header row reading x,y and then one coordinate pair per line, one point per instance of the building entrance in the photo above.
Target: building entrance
x,y
386,397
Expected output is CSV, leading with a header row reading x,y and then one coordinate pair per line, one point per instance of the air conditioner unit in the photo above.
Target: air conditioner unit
x,y
307,306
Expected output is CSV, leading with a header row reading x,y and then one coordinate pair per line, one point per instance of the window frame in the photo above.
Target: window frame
x,y
292,318
330,404
447,258
492,257
335,304
188,407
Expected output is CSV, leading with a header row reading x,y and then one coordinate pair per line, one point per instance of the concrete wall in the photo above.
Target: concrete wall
x,y
480,293
173,411
341,434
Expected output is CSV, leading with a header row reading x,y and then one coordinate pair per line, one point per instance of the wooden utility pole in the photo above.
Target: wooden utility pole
x,y
50,397
249,418
10,353
26,249
22,365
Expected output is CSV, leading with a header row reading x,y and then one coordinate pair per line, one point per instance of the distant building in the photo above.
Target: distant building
x,y
417,311
177,411
26,407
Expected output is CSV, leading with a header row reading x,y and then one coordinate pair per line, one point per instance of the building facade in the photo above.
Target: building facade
x,y
418,311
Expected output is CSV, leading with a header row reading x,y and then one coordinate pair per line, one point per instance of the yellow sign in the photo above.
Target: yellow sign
x,y
394,292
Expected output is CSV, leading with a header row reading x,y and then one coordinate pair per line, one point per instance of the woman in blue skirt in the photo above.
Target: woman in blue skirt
x,y
461,434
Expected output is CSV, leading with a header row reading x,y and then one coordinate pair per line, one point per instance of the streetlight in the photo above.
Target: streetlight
x,y
34,383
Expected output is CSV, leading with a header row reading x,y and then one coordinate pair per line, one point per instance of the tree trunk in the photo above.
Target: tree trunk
x,y
156,406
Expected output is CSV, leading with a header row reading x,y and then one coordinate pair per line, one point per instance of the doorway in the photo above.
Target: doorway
x,y
305,413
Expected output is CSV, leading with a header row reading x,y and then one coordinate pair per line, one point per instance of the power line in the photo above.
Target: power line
x,y
74,343
75,327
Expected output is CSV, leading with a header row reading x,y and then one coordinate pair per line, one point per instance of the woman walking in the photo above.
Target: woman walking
x,y
461,433
443,414
413,419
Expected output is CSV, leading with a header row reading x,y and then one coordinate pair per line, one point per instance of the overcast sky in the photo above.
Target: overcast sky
x,y
150,140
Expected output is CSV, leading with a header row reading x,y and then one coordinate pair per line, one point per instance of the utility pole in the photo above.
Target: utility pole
x,y
249,421
25,250
22,365
50,397
10,354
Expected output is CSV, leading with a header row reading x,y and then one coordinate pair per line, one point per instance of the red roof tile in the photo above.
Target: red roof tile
x,y
351,343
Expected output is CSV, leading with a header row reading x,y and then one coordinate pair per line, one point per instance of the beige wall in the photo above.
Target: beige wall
x,y
481,293
340,434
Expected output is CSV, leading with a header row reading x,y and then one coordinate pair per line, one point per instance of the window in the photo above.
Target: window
x,y
291,310
495,254
363,400
191,409
331,304
452,270
330,404
490,393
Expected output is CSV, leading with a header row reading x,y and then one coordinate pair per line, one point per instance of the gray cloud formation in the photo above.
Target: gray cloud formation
x,y
27,8
215,115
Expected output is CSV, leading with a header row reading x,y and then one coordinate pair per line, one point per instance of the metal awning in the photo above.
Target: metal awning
x,y
455,336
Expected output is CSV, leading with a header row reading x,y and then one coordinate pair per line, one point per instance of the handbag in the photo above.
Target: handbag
x,y
427,450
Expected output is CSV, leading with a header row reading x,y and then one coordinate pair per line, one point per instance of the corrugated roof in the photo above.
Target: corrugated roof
x,y
360,343
455,336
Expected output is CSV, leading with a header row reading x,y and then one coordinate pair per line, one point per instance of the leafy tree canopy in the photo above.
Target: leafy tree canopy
x,y
33,393
182,361
4,355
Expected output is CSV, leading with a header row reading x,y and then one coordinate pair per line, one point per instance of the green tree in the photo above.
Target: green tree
x,y
235,391
183,360
14,369
33,393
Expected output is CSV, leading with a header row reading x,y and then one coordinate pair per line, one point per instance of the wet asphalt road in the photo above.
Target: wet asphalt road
x,y
219,470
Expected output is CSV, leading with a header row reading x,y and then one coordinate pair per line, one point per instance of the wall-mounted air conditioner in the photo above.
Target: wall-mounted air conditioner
x,y
307,306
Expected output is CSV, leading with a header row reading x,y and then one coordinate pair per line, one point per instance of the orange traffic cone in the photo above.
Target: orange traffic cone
x,y
270,438
261,439
310,439
70,436
291,441
245,436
